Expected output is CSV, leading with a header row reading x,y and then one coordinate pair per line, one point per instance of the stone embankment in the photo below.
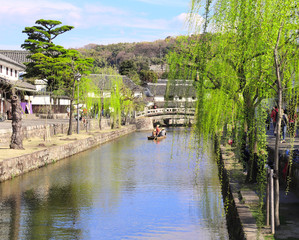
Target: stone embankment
x,y
240,221
15,166
34,128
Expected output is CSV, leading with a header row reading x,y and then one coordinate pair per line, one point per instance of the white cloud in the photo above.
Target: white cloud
x,y
192,22
94,22
182,3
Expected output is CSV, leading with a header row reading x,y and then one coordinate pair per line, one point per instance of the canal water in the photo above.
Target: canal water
x,y
130,188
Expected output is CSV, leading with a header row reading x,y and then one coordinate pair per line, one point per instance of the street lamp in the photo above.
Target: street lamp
x,y
78,78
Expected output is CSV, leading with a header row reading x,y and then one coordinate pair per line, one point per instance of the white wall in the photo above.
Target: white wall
x,y
40,100
45,100
14,75
159,98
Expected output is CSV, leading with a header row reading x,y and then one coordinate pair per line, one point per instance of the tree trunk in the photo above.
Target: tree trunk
x,y
70,130
16,137
277,141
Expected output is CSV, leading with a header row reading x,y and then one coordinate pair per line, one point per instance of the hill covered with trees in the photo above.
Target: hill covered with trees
x,y
132,59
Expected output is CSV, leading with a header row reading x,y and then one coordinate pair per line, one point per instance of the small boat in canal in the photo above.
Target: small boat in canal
x,y
156,138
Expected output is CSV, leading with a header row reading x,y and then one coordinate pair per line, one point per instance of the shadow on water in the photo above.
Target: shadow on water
x,y
130,188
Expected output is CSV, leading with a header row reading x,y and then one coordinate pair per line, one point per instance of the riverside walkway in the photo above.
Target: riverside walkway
x,y
289,200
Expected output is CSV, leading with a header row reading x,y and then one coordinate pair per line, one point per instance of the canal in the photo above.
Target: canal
x,y
130,188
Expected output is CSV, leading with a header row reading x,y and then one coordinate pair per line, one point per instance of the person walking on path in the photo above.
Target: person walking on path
x,y
274,118
284,123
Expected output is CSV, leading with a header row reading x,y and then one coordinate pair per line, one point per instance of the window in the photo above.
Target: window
x,y
0,68
7,71
16,73
11,72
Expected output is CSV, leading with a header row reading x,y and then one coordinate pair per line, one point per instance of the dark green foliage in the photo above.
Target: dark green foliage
x,y
40,42
127,66
148,76
40,37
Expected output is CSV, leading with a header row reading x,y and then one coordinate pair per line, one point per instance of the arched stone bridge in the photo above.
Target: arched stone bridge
x,y
168,116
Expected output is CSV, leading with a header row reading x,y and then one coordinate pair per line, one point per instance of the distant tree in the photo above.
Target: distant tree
x,y
142,63
148,76
164,75
127,66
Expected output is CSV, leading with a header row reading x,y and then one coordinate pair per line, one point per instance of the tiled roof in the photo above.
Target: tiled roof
x,y
22,85
11,61
130,84
157,89
19,84
178,88
19,56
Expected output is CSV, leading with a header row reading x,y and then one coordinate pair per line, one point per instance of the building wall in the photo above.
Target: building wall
x,y
9,71
159,98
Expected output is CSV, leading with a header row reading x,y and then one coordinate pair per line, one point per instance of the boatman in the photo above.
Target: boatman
x,y
158,130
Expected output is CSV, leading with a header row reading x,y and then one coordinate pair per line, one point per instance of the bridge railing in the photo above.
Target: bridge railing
x,y
164,111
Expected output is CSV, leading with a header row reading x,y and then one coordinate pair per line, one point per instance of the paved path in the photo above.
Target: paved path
x,y
33,122
289,201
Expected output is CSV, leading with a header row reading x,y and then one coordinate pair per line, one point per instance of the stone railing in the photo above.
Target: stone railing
x,y
165,111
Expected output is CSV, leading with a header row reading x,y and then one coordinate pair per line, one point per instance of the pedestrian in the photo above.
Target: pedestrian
x,y
268,120
284,123
274,115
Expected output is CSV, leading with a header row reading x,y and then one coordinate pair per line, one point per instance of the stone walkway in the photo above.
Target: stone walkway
x,y
289,201
32,122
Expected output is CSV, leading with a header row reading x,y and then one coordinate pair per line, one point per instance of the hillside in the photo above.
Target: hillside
x,y
143,54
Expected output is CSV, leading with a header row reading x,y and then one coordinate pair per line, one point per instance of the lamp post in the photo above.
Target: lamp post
x,y
78,78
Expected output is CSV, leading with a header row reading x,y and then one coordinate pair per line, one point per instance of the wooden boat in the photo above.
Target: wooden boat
x,y
156,138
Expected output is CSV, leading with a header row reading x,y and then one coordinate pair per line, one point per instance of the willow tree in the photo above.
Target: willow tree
x,y
280,24
121,101
245,54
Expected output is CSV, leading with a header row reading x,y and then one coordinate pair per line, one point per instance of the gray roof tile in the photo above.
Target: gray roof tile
x,y
19,56
11,61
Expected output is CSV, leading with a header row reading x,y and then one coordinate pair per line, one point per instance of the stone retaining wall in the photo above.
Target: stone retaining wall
x,y
12,167
144,123
240,222
54,129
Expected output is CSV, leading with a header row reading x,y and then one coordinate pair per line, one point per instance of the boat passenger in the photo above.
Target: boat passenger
x,y
158,130
163,132
154,133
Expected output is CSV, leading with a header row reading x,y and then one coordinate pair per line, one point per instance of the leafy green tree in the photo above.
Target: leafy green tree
x,y
64,70
53,62
127,66
148,76
120,103
40,40
249,57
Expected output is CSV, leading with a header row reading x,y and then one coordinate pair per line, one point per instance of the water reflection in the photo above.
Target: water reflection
x,y
131,188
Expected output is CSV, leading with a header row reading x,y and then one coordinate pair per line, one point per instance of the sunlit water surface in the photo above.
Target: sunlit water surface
x,y
130,188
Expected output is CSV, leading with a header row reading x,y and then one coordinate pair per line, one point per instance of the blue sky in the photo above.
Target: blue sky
x,y
95,21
